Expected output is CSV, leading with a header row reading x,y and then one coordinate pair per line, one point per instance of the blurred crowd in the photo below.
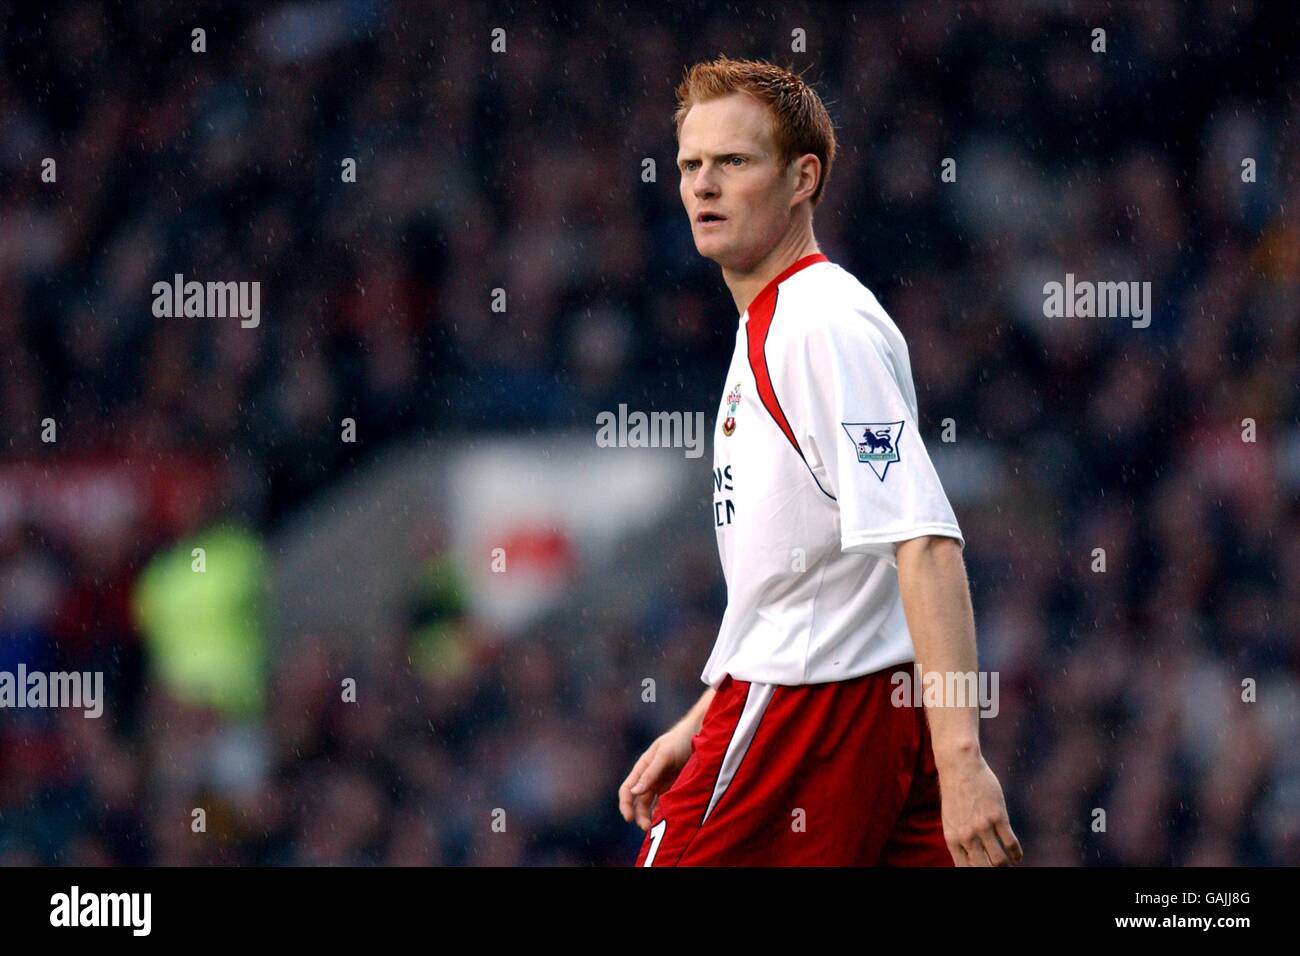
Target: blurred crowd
x,y
521,170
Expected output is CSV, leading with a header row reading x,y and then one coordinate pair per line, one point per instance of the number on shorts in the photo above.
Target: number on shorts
x,y
656,837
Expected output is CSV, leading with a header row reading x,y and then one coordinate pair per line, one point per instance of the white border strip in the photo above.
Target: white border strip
x,y
756,702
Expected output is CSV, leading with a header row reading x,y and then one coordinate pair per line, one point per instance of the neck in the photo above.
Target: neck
x,y
745,286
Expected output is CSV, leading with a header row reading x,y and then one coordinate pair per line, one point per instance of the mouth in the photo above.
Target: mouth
x,y
709,218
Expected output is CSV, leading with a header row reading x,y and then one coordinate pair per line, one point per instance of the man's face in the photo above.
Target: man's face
x,y
729,167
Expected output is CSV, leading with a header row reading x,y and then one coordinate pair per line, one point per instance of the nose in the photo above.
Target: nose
x,y
705,187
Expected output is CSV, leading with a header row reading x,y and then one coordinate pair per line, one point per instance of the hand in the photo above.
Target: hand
x,y
654,773
975,822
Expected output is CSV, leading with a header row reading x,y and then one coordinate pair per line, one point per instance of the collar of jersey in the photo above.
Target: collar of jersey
x,y
769,291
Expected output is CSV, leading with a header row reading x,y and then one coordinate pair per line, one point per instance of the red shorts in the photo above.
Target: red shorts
x,y
809,775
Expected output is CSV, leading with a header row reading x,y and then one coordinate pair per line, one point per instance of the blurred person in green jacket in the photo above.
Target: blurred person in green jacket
x,y
200,607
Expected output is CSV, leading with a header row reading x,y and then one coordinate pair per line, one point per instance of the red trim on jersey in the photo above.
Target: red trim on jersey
x,y
761,311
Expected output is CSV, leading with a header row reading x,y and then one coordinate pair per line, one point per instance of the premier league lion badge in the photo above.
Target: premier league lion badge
x,y
876,443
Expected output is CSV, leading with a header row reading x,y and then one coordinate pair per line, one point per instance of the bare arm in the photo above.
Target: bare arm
x,y
936,601
695,716
659,765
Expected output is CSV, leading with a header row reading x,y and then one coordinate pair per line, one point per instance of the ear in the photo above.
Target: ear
x,y
808,171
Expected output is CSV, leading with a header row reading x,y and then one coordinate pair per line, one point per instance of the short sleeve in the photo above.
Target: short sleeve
x,y
859,430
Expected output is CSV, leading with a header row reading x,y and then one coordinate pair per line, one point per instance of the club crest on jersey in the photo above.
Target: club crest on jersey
x,y
733,402
876,443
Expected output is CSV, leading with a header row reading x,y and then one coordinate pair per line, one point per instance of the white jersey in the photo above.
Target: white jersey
x,y
819,469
